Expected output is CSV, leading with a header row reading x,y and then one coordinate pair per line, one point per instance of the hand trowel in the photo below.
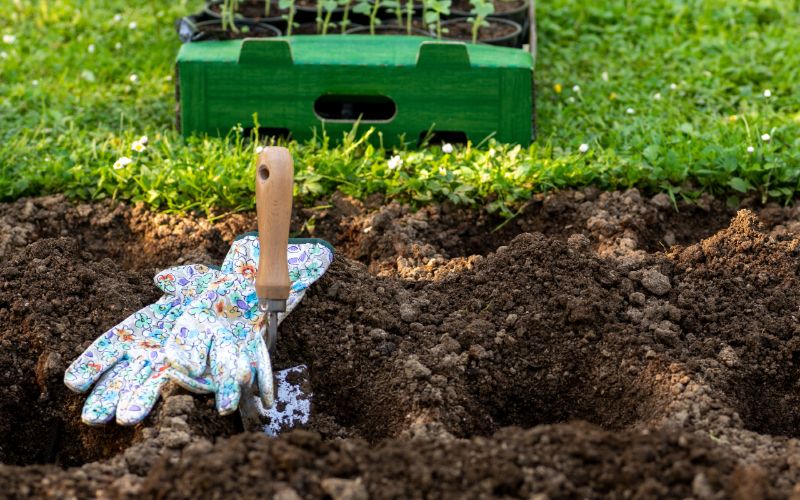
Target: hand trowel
x,y
292,403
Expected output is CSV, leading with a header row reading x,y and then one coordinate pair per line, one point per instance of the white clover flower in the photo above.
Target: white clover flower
x,y
168,78
657,96
447,148
571,100
394,162
576,88
35,83
259,149
122,163
132,25
767,93
90,48
604,76
765,137
138,147
492,152
9,39
750,149
117,45
630,111
117,18
133,78
673,86
4,55
143,139
583,148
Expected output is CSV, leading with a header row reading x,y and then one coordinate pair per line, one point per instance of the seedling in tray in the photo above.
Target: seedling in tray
x,y
373,16
328,6
481,9
289,6
396,8
345,22
364,8
432,12
228,12
409,15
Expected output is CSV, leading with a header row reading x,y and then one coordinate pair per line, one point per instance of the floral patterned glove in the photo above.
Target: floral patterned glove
x,y
129,358
218,346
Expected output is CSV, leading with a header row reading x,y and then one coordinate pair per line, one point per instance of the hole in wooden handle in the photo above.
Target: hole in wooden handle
x,y
263,172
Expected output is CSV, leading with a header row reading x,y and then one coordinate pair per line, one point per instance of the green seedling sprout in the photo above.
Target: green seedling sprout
x,y
329,6
267,4
433,10
345,4
227,14
373,16
481,9
362,7
288,5
409,15
395,8
318,19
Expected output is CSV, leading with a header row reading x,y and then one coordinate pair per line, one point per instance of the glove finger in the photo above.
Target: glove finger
x,y
225,372
140,371
141,399
104,353
188,348
245,371
101,405
200,385
263,365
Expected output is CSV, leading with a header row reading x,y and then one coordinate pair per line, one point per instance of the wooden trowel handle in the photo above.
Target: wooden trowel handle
x,y
274,179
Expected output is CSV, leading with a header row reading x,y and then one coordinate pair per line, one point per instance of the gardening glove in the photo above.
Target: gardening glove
x,y
218,346
129,358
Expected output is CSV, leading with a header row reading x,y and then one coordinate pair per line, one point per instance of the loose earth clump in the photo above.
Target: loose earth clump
x,y
600,344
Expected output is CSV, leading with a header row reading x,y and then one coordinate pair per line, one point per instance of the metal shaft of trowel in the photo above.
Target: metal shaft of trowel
x,y
274,179
272,308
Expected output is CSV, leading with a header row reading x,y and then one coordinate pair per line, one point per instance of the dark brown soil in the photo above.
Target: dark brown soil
x,y
598,345
392,29
309,29
212,30
462,30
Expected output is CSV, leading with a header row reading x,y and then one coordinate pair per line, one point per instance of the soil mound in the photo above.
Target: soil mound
x,y
561,461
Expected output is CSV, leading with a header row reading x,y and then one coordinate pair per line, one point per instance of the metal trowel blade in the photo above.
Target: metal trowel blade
x,y
292,407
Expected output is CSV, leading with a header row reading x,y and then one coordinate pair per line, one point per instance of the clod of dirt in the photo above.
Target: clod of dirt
x,y
562,461
740,292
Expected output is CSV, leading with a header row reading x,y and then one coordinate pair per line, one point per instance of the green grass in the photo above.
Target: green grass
x,y
67,114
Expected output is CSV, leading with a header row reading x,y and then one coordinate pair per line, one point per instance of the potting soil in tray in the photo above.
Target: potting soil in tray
x,y
569,354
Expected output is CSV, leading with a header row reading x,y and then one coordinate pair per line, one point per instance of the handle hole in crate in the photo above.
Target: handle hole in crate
x,y
350,108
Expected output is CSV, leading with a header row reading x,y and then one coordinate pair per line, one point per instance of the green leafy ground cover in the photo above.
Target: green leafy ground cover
x,y
662,95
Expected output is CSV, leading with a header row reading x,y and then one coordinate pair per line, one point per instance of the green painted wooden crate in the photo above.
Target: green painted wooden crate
x,y
403,86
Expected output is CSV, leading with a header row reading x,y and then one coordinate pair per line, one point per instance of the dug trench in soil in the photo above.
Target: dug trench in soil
x,y
422,373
